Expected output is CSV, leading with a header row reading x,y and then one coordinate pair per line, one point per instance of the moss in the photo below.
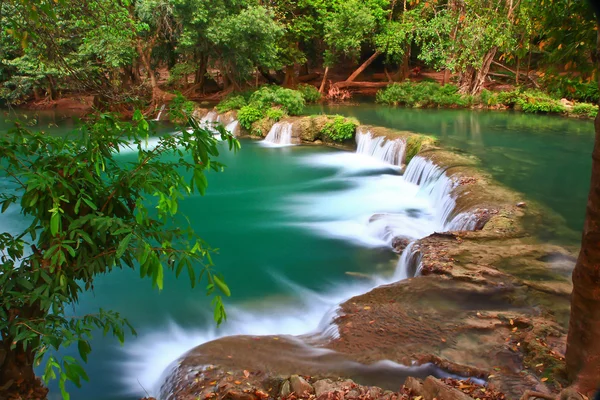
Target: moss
x,y
262,127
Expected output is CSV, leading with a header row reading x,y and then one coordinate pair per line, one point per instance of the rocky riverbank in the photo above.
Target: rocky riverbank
x,y
489,303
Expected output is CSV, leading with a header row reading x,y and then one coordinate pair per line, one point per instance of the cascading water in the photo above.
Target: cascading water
x,y
280,135
367,209
233,127
388,151
160,112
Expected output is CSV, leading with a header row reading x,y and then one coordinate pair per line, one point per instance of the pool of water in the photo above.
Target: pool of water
x,y
291,222
547,158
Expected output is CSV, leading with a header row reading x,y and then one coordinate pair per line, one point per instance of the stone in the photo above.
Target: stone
x,y
399,243
324,386
238,395
521,204
433,388
285,390
300,386
414,385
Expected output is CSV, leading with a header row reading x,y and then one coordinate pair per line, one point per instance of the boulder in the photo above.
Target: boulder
x,y
300,386
435,389
285,390
414,385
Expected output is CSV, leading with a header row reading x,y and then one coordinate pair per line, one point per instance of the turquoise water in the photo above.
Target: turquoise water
x,y
548,158
290,222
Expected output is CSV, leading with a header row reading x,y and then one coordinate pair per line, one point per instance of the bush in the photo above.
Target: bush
x,y
340,129
231,103
180,108
487,98
291,101
585,110
572,89
423,94
538,102
275,114
310,93
249,114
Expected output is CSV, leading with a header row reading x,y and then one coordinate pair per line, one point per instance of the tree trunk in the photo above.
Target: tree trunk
x,y
16,371
483,72
290,76
146,63
446,77
51,87
200,77
583,341
324,81
364,65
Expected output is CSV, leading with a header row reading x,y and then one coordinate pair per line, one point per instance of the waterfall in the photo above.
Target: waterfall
x,y
160,112
280,134
438,187
381,148
409,263
232,127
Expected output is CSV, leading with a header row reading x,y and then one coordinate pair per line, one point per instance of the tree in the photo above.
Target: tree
x,y
89,213
583,341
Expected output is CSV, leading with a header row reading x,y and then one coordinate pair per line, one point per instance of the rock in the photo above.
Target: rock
x,y
285,390
238,395
435,389
300,386
522,204
414,385
399,243
318,141
566,102
324,386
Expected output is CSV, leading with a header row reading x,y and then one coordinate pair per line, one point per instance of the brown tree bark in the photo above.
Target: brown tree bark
x,y
51,88
364,65
583,341
290,76
472,80
324,81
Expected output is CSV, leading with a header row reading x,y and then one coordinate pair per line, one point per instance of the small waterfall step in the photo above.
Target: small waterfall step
x,y
379,147
280,135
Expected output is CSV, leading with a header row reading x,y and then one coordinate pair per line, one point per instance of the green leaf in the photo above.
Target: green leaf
x,y
84,349
159,276
55,223
222,286
123,245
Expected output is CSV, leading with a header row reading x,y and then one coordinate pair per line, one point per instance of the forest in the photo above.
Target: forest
x,y
129,54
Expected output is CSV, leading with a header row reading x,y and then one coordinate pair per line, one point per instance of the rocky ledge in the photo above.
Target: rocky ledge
x,y
489,304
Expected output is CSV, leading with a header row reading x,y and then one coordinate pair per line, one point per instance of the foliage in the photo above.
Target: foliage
x,y
340,129
291,101
423,94
275,114
572,89
310,93
248,115
180,108
90,213
231,103
180,72
585,109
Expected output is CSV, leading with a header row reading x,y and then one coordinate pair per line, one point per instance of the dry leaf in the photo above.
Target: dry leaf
x,y
237,382
366,308
246,373
544,379
512,322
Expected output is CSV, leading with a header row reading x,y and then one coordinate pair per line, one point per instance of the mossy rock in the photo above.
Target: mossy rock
x,y
262,127
309,128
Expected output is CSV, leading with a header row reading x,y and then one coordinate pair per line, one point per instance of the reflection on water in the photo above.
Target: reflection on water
x,y
548,158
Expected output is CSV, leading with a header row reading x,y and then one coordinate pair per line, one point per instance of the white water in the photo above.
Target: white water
x,y
233,127
160,112
280,135
371,207
380,148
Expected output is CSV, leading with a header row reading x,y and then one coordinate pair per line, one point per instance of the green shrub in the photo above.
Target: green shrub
x,y
310,93
275,114
423,94
509,99
249,114
291,101
585,109
539,102
572,88
231,103
180,108
340,129
487,98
